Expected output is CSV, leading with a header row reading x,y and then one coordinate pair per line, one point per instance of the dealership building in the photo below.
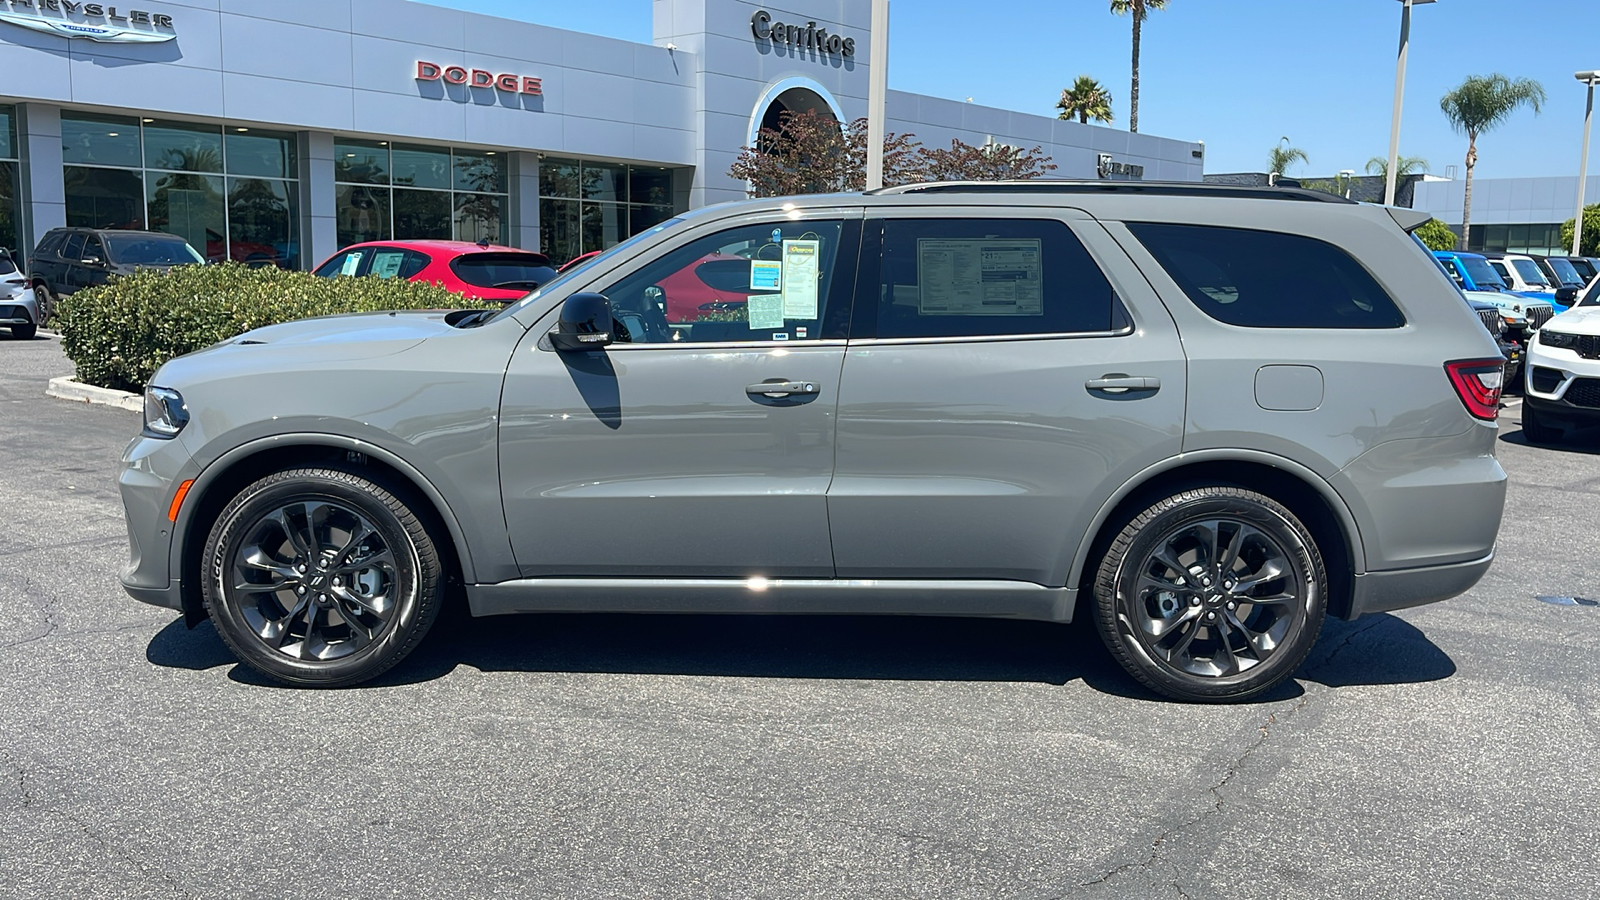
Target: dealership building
x,y
1519,215
280,131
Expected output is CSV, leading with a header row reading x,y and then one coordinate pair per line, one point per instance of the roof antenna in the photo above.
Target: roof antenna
x,y
484,242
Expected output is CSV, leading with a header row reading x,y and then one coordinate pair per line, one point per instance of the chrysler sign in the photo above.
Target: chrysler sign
x,y
95,21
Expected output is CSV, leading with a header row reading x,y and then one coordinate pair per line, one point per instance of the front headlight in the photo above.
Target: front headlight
x,y
164,412
1558,340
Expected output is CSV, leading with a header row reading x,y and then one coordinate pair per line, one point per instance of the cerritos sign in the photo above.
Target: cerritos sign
x,y
801,37
95,21
480,78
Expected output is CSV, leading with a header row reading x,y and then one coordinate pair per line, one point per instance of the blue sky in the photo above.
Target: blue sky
x,y
1237,74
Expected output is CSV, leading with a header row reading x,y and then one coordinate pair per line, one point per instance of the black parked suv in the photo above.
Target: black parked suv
x,y
69,259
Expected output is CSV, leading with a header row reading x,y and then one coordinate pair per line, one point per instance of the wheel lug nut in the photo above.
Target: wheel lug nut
x,y
337,581
1232,605
1194,601
300,568
301,590
1210,616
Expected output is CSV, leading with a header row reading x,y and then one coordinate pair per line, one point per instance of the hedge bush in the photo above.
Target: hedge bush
x,y
118,334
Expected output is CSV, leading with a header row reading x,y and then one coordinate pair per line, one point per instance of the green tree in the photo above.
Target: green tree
x,y
1284,156
1086,99
1436,235
1405,165
1591,232
1478,105
1139,9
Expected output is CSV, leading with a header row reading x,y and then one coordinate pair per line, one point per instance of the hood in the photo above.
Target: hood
x,y
1577,320
307,343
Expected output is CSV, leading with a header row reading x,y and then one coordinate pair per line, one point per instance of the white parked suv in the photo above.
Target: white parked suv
x,y
1563,371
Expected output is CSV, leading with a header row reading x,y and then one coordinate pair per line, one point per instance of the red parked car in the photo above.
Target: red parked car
x,y
478,271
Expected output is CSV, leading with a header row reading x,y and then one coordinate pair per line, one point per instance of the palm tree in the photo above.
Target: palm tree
x,y
1139,9
1405,165
1086,99
1284,156
1478,105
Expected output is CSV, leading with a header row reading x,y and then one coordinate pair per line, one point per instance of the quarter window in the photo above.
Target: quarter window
x,y
769,282
1265,279
989,277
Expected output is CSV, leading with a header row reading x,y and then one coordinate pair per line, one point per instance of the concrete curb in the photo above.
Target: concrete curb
x,y
68,388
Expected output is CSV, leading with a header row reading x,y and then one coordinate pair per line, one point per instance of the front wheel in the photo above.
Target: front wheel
x,y
1212,594
1536,428
321,577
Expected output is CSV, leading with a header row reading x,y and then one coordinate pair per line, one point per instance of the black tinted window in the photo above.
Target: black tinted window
x,y
983,277
1264,279
51,242
73,249
148,250
513,271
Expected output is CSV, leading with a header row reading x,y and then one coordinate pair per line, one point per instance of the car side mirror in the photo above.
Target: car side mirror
x,y
585,324
1566,295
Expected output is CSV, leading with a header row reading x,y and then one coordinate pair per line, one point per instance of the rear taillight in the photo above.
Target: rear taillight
x,y
1478,383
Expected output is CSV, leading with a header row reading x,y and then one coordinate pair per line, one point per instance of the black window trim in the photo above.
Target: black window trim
x,y
864,316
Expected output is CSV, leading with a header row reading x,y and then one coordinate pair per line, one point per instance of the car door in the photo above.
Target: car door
x,y
63,279
95,266
1007,371
699,448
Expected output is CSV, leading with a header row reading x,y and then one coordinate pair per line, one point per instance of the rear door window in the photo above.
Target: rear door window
x,y
987,278
1266,279
73,249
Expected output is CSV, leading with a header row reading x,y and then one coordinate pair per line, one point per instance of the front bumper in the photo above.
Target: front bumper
x,y
1562,385
152,470
1405,588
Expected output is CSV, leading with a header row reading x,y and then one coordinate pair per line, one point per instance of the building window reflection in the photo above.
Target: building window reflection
x,y
229,191
388,191
10,212
586,206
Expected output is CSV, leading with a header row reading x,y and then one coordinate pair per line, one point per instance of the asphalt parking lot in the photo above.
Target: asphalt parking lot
x,y
1446,751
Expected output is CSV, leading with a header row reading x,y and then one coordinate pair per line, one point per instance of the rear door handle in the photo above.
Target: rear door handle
x,y
1122,384
783,388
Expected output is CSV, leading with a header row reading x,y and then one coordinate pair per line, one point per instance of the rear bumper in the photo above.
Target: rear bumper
x,y
1404,588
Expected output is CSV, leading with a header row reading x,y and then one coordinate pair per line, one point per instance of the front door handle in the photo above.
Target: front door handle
x,y
783,388
1123,384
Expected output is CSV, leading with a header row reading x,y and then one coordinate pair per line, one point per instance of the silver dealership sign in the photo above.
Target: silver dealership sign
x,y
95,21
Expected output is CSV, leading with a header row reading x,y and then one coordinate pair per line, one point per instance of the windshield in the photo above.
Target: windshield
x,y
148,250
1591,297
1529,270
1481,272
566,276
1565,271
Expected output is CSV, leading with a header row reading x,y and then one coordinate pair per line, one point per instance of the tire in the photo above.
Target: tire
x,y
349,620
46,302
24,332
1536,429
1190,631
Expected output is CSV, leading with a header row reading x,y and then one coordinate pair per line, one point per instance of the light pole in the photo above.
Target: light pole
x,y
877,93
1349,176
1589,78
1399,97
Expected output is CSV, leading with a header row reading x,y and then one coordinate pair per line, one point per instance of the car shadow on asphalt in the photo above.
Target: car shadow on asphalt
x,y
1578,440
1380,649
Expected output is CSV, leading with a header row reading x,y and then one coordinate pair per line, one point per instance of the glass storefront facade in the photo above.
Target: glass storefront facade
x,y
390,191
232,193
10,210
1543,240
586,206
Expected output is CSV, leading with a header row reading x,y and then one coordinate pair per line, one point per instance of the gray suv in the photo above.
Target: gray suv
x,y
1202,417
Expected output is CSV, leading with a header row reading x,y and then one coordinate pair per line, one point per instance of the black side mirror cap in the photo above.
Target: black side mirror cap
x,y
585,324
1566,295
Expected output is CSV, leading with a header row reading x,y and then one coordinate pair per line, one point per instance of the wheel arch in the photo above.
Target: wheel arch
x,y
220,481
1301,489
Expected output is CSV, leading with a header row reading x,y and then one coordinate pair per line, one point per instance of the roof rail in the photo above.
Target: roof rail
x,y
1151,188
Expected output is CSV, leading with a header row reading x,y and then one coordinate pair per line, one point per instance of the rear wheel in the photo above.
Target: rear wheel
x,y
321,577
46,302
1536,428
24,332
1212,594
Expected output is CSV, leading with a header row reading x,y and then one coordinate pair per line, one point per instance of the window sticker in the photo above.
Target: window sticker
x,y
766,275
800,278
780,336
765,311
799,333
980,277
387,265
351,263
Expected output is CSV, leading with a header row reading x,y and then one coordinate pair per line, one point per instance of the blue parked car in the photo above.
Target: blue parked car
x,y
1472,272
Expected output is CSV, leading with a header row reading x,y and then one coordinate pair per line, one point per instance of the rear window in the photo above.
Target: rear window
x,y
7,267
511,271
1265,279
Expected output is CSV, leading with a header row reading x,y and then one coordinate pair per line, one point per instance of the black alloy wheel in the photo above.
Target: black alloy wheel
x,y
1537,429
1212,594
321,577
